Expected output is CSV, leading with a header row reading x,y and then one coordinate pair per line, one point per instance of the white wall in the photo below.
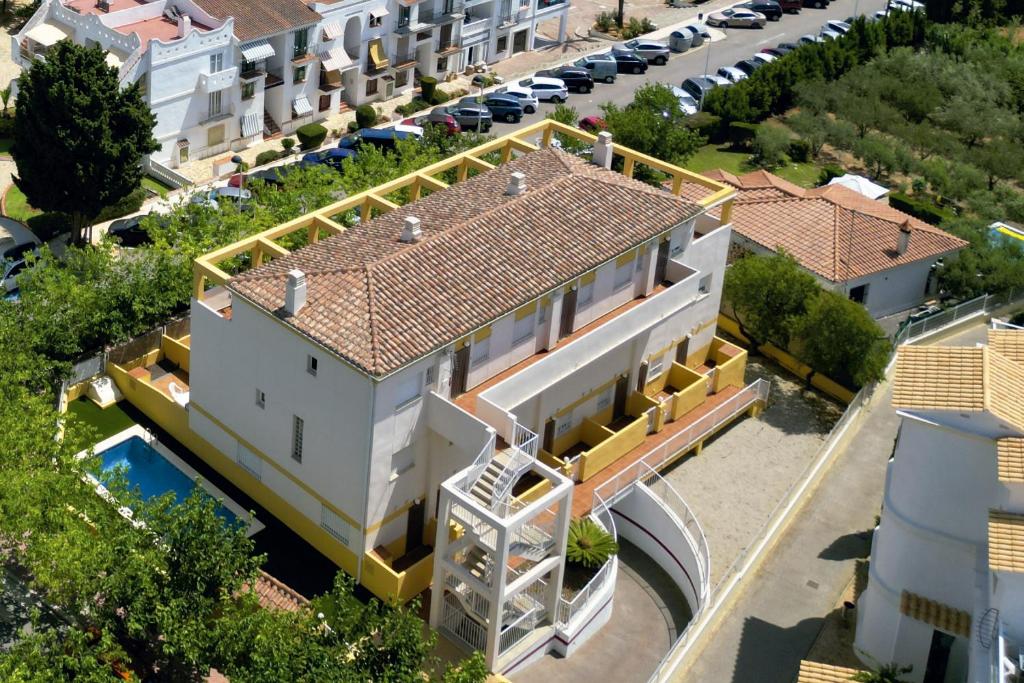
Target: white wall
x,y
893,290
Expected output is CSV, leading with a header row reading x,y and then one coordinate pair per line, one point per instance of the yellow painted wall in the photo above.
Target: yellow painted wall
x,y
611,449
176,352
698,357
730,371
387,584
76,391
575,435
534,492
593,433
638,404
693,390
658,383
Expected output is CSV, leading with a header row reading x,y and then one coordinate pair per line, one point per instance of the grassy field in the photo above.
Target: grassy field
x,y
18,207
107,422
724,157
155,185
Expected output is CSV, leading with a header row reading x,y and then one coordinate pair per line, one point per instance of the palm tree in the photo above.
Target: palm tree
x,y
589,544
5,97
885,673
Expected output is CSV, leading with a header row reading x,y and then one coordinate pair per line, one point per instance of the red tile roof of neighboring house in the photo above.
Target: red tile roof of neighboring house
x,y
381,303
259,18
832,231
273,594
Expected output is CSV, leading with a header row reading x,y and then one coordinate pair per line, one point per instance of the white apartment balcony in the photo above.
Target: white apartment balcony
x,y
213,116
475,25
221,80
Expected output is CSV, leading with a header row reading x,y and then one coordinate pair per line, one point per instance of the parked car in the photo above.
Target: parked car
x,y
525,96
808,39
592,124
654,51
273,176
10,270
838,26
792,6
629,63
698,87
829,34
471,115
18,251
764,58
331,158
575,77
128,232
880,14
732,74
601,67
773,51
925,311
718,81
907,5
381,138
816,4
737,18
769,8
437,117
212,198
14,234
502,107
748,66
786,47
410,128
688,104
546,89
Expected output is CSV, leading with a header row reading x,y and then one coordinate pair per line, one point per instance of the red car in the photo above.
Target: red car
x,y
436,118
593,124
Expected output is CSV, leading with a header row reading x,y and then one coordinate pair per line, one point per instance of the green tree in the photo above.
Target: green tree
x,y
770,146
840,339
563,113
79,137
886,673
814,128
877,153
589,545
768,295
653,124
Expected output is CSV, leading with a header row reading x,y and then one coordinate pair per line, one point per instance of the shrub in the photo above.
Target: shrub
x,y
427,86
921,208
632,29
800,151
267,156
410,108
604,22
840,339
128,204
6,126
770,146
589,545
288,143
829,172
366,116
647,25
742,133
707,125
311,135
352,127
439,96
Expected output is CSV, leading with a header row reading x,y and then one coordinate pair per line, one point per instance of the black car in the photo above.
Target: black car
x,y
575,77
769,8
274,176
748,66
18,251
816,4
128,232
629,63
503,107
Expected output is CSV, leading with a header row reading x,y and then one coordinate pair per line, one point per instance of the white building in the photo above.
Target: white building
x,y
222,74
945,592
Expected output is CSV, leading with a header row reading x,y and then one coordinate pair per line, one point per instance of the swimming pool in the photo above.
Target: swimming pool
x,y
155,470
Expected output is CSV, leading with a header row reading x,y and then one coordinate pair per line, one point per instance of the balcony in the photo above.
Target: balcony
x,y
403,60
304,55
545,5
684,390
475,26
221,80
219,115
446,46
438,17
597,442
274,79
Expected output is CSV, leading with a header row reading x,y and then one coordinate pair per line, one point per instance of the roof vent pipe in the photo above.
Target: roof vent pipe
x,y
603,150
411,232
295,292
516,184
904,238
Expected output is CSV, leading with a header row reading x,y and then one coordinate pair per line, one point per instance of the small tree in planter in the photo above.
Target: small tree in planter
x,y
885,673
589,545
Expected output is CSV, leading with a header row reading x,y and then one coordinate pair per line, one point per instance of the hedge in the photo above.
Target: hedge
x,y
128,204
311,135
366,116
923,209
267,156
427,85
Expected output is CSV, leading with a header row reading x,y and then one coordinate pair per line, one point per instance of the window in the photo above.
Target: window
x,y
261,399
502,44
523,330
623,275
216,63
408,389
297,426
248,67
430,376
301,46
375,21
402,461
402,78
183,153
586,296
332,523
403,16
564,423
442,64
311,365
299,75
704,286
249,461
480,352
655,367
371,86
859,294
248,90
214,101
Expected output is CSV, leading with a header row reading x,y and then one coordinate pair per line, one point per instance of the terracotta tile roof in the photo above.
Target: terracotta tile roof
x,y
815,672
1009,343
832,231
1005,541
1004,388
273,594
937,614
1010,459
381,303
259,18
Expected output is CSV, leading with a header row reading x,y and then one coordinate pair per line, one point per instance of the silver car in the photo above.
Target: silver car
x,y
737,18
655,51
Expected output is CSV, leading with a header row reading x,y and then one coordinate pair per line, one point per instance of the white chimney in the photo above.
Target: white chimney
x,y
295,292
603,150
904,238
411,232
516,184
184,25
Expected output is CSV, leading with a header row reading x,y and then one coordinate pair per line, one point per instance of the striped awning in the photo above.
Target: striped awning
x,y
257,50
333,30
301,106
251,125
376,52
48,34
336,59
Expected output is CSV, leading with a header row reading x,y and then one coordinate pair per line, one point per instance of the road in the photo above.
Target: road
x,y
738,44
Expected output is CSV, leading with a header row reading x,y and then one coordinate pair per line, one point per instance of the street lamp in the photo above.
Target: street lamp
x,y
237,161
707,61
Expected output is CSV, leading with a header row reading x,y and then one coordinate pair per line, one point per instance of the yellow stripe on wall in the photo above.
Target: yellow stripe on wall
x,y
526,311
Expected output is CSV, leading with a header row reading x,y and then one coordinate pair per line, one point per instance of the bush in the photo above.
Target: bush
x,y
589,545
770,146
267,156
632,29
352,127
6,126
800,151
705,124
128,204
921,208
287,144
427,86
366,116
604,22
311,135
410,108
439,96
742,133
829,172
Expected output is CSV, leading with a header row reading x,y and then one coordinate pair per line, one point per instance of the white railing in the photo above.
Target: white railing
x,y
652,461
164,174
524,452
479,465
458,624
568,609
516,631
986,303
476,603
1004,325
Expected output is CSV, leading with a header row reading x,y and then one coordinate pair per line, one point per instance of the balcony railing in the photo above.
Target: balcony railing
x,y
219,115
549,4
446,45
221,80
570,609
457,623
401,59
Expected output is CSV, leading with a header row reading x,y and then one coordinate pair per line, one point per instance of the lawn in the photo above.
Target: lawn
x,y
18,207
155,186
724,157
107,422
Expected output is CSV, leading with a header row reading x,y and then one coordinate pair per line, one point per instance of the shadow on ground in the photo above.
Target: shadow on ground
x,y
791,401
848,547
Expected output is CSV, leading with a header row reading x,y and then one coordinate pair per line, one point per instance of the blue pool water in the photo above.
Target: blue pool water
x,y
151,472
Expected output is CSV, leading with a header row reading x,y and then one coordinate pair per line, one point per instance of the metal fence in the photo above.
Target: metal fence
x,y
911,330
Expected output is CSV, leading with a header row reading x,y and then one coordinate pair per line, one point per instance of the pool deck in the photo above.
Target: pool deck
x,y
254,525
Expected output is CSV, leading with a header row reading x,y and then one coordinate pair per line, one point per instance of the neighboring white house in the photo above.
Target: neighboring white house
x,y
945,591
862,185
865,249
222,74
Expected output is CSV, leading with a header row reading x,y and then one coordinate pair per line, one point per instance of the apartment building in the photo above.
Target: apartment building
x,y
223,74
945,593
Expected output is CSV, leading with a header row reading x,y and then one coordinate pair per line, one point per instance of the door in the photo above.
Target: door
x,y
641,378
473,55
619,405
460,371
568,314
519,41
938,657
683,350
549,436
414,526
661,264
